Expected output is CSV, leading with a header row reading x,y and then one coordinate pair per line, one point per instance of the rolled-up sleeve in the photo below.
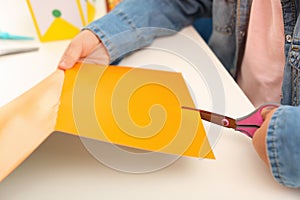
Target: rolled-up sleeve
x,y
134,24
283,145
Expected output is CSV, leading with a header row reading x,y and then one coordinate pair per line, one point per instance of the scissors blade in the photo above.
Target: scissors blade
x,y
215,118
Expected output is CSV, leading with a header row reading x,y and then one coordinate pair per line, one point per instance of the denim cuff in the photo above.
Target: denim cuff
x,y
109,30
283,140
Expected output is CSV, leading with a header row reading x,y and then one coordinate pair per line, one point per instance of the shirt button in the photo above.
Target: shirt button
x,y
288,38
242,33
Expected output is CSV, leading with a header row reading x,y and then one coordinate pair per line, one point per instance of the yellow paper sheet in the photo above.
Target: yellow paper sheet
x,y
133,107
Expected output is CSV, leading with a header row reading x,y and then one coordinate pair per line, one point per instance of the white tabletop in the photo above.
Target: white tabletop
x,y
62,168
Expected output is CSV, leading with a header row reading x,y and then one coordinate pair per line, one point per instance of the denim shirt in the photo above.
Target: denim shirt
x,y
134,24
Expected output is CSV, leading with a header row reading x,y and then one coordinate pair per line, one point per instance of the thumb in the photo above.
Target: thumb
x,y
265,113
71,55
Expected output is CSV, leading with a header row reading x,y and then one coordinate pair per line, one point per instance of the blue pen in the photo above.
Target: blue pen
x,y
8,36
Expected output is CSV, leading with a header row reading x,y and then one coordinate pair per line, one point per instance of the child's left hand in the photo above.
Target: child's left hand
x,y
82,46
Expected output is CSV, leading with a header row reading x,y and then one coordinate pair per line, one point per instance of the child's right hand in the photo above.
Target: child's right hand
x,y
80,47
259,138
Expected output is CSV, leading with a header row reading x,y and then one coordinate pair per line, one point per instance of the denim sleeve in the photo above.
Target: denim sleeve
x,y
283,145
134,24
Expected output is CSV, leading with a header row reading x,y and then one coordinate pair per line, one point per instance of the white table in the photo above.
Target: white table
x,y
61,168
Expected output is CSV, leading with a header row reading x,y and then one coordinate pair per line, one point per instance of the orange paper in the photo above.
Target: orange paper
x,y
133,107
127,106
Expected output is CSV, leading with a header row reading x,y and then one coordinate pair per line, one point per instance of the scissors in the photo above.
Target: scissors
x,y
247,124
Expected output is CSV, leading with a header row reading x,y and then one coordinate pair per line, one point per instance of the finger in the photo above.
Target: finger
x,y
71,55
259,137
259,142
266,112
89,41
98,56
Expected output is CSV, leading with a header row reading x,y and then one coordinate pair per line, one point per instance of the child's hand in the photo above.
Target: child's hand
x,y
80,47
259,138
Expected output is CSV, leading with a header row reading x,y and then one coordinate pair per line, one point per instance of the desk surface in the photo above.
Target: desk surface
x,y
61,168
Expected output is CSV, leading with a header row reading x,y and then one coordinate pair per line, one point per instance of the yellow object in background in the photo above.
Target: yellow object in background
x,y
57,19
111,4
91,11
134,107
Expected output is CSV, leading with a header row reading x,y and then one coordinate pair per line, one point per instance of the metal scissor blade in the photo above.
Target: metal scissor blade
x,y
215,118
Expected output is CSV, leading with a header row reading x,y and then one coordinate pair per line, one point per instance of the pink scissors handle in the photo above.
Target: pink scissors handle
x,y
250,123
